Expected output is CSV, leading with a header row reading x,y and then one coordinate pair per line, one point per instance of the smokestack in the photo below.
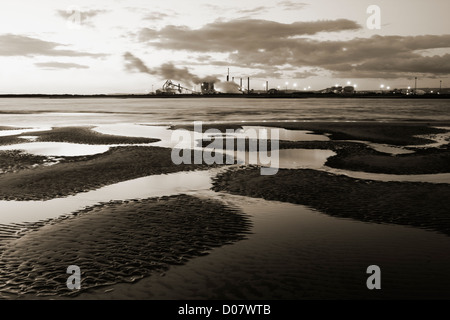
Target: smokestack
x,y
415,86
267,86
228,76
240,86
248,80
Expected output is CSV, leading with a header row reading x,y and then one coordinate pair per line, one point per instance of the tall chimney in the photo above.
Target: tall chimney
x,y
228,75
241,85
248,80
267,86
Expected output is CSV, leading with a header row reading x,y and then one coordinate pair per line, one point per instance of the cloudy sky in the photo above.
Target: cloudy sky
x,y
132,46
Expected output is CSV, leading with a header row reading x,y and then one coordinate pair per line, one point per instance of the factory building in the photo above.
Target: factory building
x,y
208,88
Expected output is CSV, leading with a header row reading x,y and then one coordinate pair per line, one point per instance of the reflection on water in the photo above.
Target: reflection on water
x,y
429,178
439,139
62,149
29,138
284,134
287,158
385,148
151,186
4,133
293,252
56,112
297,253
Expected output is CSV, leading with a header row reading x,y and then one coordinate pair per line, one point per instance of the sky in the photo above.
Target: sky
x,y
134,46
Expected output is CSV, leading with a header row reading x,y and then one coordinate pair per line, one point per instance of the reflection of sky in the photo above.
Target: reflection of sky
x,y
28,113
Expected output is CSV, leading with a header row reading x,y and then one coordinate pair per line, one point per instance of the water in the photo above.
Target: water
x,y
293,248
18,212
26,112
297,253
62,149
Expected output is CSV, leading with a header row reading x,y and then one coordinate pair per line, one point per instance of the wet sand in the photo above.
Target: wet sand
x,y
12,161
125,241
8,140
74,135
81,174
422,205
120,241
87,136
395,133
360,157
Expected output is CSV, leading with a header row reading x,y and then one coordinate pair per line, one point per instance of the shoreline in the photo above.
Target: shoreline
x,y
419,205
297,95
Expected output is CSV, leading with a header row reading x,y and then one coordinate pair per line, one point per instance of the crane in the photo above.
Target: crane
x,y
171,88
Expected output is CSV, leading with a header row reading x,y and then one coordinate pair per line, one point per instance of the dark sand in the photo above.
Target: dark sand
x,y
14,160
8,140
359,156
84,135
81,174
116,242
395,133
423,205
87,136
125,241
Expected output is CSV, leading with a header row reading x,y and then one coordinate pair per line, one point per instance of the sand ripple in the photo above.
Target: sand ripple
x,y
115,242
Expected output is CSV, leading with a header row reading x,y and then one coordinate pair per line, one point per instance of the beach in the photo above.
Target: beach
x,y
108,198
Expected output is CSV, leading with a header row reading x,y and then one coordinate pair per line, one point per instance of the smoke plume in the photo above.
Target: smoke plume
x,y
165,71
134,64
228,87
169,71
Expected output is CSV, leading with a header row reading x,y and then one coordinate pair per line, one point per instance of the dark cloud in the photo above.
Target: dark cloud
x,y
241,34
19,45
263,44
304,74
267,74
396,67
60,65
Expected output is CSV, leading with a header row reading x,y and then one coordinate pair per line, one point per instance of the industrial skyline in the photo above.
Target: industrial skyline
x,y
134,46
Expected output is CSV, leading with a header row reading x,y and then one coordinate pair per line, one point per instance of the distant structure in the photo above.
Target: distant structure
x,y
348,90
335,89
208,88
170,88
